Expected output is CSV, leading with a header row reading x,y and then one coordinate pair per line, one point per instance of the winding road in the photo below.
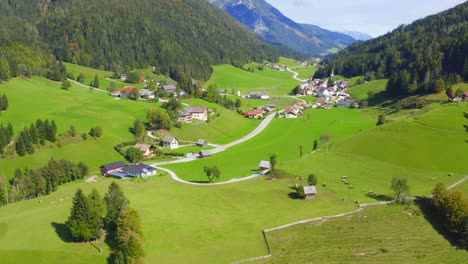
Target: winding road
x,y
216,150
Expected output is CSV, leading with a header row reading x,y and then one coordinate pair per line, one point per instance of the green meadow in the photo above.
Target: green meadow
x,y
282,137
84,110
379,234
360,92
368,155
225,128
222,224
180,222
267,80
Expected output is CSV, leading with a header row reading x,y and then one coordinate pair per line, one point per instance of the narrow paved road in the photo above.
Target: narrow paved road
x,y
86,86
218,149
295,74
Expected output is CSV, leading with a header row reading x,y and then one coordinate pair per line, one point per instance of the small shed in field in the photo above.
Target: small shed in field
x,y
310,192
205,154
264,165
202,143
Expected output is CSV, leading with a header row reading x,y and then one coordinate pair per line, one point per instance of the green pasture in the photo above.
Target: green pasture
x,y
282,137
380,234
360,92
270,81
226,128
180,222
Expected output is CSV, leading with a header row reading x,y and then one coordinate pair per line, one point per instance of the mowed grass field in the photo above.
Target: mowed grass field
x,y
380,234
282,137
199,224
424,151
360,92
226,128
84,109
270,81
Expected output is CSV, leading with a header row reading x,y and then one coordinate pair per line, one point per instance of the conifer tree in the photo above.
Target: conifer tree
x,y
78,221
115,202
96,81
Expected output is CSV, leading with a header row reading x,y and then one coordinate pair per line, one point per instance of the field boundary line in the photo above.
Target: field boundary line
x,y
265,231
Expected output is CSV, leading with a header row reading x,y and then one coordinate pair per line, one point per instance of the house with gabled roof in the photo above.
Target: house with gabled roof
x,y
256,113
112,167
198,112
170,142
139,170
144,148
202,143
310,192
264,165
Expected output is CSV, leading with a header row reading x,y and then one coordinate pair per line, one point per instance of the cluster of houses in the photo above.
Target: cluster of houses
x,y
259,111
121,170
294,111
193,112
277,67
145,94
462,98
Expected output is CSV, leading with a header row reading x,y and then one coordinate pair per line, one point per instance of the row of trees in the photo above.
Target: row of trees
x,y
452,210
36,133
3,102
31,183
6,135
91,215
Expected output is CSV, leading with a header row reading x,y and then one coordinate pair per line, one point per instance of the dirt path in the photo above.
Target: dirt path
x,y
86,86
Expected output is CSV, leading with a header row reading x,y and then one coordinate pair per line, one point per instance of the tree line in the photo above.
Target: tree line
x,y
6,135
3,103
162,35
451,208
32,183
426,56
91,215
37,133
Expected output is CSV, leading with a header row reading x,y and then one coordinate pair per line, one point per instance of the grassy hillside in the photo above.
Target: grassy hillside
x,y
282,137
424,150
271,81
384,234
39,98
226,128
360,92
180,222
86,109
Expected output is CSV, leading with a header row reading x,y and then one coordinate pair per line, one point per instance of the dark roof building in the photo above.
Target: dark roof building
x,y
139,170
201,143
107,168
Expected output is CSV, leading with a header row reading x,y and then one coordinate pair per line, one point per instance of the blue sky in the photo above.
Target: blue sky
x,y
374,17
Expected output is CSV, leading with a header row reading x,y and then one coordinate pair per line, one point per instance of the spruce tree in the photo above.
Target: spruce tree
x,y
115,202
129,236
77,222
96,202
20,145
96,81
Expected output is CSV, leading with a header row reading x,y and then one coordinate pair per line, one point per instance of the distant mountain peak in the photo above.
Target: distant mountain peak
x,y
268,22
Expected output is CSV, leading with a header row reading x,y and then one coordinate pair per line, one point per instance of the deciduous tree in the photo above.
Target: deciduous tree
x,y
400,188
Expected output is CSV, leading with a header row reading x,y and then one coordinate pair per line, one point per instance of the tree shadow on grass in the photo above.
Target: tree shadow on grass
x,y
201,181
294,196
430,215
379,197
62,231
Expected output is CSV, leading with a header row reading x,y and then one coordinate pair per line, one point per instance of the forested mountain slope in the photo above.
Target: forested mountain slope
x,y
173,35
272,25
416,57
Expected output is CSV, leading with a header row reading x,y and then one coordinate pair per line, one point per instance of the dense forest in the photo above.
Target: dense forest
x,y
422,57
173,36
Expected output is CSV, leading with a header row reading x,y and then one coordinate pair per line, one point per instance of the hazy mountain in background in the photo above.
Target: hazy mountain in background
x,y
356,35
272,25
